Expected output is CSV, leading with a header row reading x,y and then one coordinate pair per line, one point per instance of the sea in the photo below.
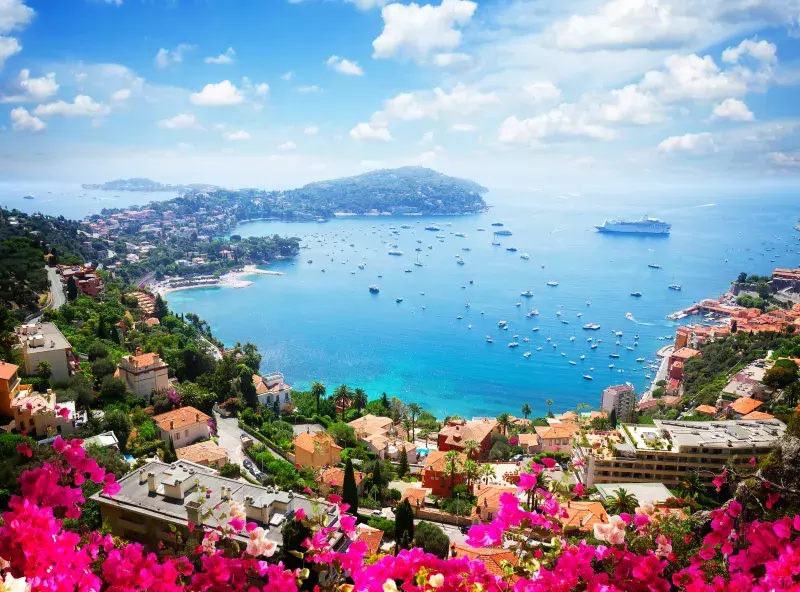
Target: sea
x,y
319,321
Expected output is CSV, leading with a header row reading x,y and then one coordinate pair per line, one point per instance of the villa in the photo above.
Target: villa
x,y
457,432
205,453
316,450
143,373
434,476
488,501
182,426
39,416
331,480
271,389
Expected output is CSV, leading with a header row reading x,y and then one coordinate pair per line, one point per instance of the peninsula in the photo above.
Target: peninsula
x,y
147,186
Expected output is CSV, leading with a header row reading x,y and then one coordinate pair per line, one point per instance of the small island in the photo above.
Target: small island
x,y
147,186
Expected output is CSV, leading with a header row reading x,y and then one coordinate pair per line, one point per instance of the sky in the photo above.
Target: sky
x,y
514,94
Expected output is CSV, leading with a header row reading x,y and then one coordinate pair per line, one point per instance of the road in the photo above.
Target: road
x,y
229,435
57,297
453,533
661,374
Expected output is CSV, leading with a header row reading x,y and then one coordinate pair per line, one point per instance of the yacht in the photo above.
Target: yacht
x,y
653,266
502,323
591,326
611,366
535,329
374,289
310,261
459,317
511,249
636,294
526,355
558,313
566,322
504,232
593,346
525,256
460,235
408,271
579,315
497,223
526,339
618,333
587,377
539,348
571,363
613,355
572,338
676,287
583,357
629,348
461,262
532,313
552,284
432,228
518,304
526,293
396,253
405,226
640,360
398,300
513,344
362,265
489,339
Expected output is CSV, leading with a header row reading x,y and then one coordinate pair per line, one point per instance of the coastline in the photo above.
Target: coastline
x,y
231,279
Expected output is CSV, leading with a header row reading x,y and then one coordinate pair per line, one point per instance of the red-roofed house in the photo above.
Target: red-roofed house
x,y
434,476
331,480
742,406
492,557
583,516
706,410
488,501
182,426
678,359
554,438
372,537
316,450
271,388
758,415
143,373
457,432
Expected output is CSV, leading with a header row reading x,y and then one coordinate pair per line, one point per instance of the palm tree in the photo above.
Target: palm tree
x,y
318,390
413,412
359,399
471,448
526,410
622,501
692,485
471,470
407,426
487,472
504,421
341,396
549,403
452,467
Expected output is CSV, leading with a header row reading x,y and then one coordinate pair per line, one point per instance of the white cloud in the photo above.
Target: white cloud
x,y
461,100
227,57
563,121
22,121
183,121
762,51
414,32
344,66
287,146
370,131
446,60
540,92
733,110
261,89
14,15
9,46
165,57
693,77
122,94
221,94
626,23
82,106
236,136
32,89
702,143
309,89
630,105
427,139
463,127
287,76
783,159
311,130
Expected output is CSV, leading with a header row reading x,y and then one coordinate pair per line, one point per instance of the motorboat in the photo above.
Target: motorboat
x,y
587,377
636,294
535,329
395,253
525,256
513,344
398,300
526,355
461,262
374,289
539,348
579,315
676,287
591,326
526,339
532,313
565,321
583,357
619,333
459,317
310,262
511,249
640,360
611,365
553,284
653,266
497,223
548,339
432,228
629,348
408,271
518,304
489,339
502,323
571,363
572,338
558,313
613,355
526,293
460,235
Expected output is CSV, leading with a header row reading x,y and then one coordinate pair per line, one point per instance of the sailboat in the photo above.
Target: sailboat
x,y
495,242
674,286
653,265
418,263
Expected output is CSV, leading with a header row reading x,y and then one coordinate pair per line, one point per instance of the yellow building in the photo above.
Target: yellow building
x,y
316,450
143,373
9,386
205,453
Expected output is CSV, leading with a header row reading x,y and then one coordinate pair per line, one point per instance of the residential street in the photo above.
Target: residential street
x,y
229,436
454,534
57,297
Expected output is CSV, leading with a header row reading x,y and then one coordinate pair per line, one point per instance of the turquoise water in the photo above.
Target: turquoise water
x,y
327,326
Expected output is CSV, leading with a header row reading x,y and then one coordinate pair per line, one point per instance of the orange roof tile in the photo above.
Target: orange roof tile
x,y
758,415
7,370
685,353
202,452
528,439
584,515
489,495
553,431
180,418
744,405
309,442
371,536
478,430
415,495
489,556
147,359
706,409
334,477
436,461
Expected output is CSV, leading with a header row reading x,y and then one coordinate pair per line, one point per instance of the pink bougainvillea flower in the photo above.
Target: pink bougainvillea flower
x,y
720,480
549,462
25,449
752,461
579,489
300,515
772,499
334,499
64,412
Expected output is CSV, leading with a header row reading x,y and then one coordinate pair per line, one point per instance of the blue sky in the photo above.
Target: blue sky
x,y
512,93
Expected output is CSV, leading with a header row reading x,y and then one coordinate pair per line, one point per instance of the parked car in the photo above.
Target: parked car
x,y
516,458
248,464
375,513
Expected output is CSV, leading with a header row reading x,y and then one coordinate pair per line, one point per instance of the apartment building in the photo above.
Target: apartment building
x,y
666,451
43,342
620,399
182,426
156,503
143,373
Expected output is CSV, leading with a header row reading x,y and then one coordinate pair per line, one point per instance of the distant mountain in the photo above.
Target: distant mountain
x,y
147,185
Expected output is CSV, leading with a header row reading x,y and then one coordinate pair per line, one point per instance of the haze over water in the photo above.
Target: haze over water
x,y
327,326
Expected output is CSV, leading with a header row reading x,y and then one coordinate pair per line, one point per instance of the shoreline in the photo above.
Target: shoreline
x,y
232,279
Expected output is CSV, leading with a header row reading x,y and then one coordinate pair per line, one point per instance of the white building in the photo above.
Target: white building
x,y
39,416
182,426
271,388
43,342
143,373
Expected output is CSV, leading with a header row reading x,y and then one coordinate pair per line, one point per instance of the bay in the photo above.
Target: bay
x,y
326,326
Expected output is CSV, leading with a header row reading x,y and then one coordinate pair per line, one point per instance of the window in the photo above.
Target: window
x,y
58,429
177,436
186,433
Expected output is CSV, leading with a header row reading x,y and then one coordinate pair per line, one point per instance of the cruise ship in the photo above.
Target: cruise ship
x,y
646,225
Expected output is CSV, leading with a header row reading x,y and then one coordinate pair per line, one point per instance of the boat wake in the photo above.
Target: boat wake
x,y
702,206
632,318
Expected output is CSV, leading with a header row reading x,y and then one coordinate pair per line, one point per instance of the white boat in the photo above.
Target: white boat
x,y
433,228
461,261
532,313
548,339
591,326
613,355
526,339
566,322
539,348
629,348
515,336
396,253
518,304
640,360
362,265
502,323
489,339
558,313
611,365
469,326
535,329
572,338
526,355
526,293
619,333
552,284
513,344
460,234
571,363
459,317
589,339
525,256
579,315
587,377
583,357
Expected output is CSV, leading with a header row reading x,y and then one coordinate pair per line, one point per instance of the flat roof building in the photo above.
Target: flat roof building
x,y
43,342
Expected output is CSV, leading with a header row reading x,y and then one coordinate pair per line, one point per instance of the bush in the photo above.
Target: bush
x,y
102,368
432,539
384,524
780,376
394,494
112,389
230,470
344,435
97,350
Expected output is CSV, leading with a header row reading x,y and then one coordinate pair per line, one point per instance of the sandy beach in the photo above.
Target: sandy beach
x,y
233,279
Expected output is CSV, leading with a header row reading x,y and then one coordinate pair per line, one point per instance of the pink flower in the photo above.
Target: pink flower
x,y
334,499
259,545
300,515
549,462
527,481
25,449
348,524
772,498
720,480
752,461
579,489
64,412
734,508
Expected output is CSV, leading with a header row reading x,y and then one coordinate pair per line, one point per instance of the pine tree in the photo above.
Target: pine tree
x,y
72,288
349,488
101,329
377,478
403,525
248,388
160,309
402,467
612,419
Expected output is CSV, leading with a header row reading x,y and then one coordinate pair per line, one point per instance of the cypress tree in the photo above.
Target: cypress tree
x,y
160,309
377,478
349,489
613,418
72,288
101,329
402,466
403,525
248,388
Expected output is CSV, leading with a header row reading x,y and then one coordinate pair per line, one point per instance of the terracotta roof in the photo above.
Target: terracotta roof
x,y
309,442
202,452
489,495
436,461
685,353
371,423
743,405
181,418
478,430
706,409
528,439
143,360
414,495
7,370
552,431
152,321
371,536
569,416
489,556
671,400
584,515
598,414
334,477
261,386
758,415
